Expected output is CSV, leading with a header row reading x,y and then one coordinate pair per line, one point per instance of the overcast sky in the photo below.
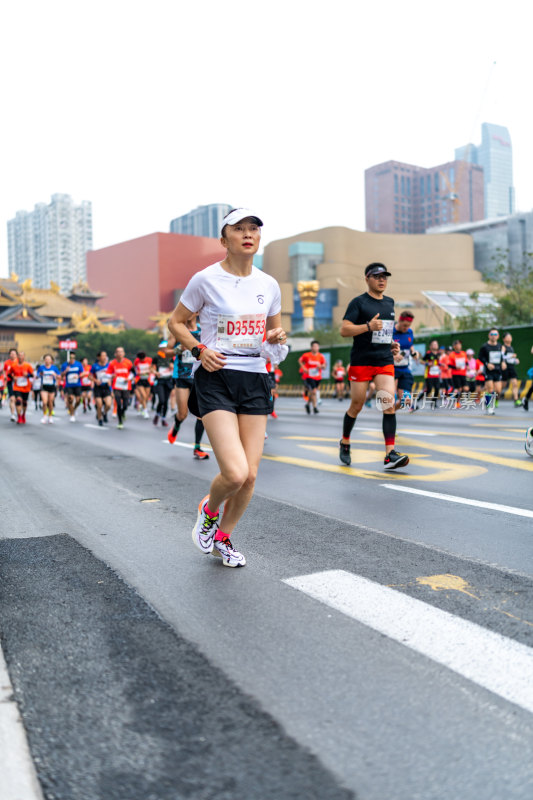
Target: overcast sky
x,y
149,109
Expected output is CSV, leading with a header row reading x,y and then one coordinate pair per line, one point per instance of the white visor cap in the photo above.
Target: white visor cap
x,y
237,215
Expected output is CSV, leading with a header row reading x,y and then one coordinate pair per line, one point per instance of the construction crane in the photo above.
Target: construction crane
x,y
453,188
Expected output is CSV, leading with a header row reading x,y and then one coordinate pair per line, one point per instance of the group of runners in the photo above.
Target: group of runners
x,y
225,329
450,373
108,386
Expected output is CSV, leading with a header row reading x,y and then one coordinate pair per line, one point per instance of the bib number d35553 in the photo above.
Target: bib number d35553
x,y
244,331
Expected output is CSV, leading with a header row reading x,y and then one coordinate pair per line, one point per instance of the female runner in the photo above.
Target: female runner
x,y
239,311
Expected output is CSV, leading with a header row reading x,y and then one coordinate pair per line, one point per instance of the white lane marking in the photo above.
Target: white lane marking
x,y
489,659
96,427
520,512
189,446
18,773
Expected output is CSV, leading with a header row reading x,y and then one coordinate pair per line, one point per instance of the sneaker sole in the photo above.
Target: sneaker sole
x,y
224,562
402,462
193,533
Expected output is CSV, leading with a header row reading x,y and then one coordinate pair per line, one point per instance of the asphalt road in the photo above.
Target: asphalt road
x,y
379,643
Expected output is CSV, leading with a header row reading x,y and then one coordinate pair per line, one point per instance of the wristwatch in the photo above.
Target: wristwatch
x,y
197,350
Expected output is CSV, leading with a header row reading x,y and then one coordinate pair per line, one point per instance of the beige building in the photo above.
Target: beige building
x,y
336,257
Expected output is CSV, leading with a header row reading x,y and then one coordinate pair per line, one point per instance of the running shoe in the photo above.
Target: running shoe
x,y
72,418
199,453
14,417
517,403
344,453
164,423
146,415
525,404
315,410
274,415
529,442
156,419
308,408
100,423
395,460
105,417
50,420
120,426
203,533
43,421
224,549
172,435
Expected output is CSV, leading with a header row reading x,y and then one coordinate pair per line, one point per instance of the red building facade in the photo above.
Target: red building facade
x,y
404,198
141,276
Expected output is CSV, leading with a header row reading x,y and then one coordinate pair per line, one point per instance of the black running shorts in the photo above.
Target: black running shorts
x,y
230,390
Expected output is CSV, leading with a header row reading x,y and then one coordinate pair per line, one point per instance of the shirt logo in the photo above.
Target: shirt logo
x,y
260,298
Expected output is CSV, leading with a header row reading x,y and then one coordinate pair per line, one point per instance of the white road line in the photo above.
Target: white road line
x,y
96,427
520,512
18,778
489,659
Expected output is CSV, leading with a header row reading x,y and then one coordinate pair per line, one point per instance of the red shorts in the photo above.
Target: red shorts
x,y
362,374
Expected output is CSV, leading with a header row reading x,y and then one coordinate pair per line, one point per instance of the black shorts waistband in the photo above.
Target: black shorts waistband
x,y
242,355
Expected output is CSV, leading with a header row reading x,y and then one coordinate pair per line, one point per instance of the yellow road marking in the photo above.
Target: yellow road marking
x,y
359,455
471,454
448,472
440,583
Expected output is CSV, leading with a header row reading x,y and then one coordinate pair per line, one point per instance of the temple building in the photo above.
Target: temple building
x,y
35,320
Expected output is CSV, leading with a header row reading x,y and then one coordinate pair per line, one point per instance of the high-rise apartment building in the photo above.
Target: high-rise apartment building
x,y
203,221
405,198
495,155
50,242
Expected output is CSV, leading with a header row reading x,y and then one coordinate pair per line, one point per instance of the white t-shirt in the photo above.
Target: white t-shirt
x,y
233,312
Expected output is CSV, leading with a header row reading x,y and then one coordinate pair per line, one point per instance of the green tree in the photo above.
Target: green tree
x,y
132,340
512,284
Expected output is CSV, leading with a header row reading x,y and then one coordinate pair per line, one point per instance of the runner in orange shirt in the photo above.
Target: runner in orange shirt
x,y
121,369
312,364
21,372
86,384
143,367
339,376
9,382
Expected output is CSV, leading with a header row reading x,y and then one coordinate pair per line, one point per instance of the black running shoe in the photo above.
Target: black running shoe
x,y
525,404
308,408
344,453
315,410
394,460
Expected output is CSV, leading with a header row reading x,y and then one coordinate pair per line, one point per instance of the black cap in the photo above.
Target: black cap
x,y
376,269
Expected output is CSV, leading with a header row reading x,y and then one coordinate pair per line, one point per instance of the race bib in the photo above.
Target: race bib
x,y
21,381
187,357
434,371
314,372
495,357
144,369
165,372
240,332
86,382
460,363
37,384
48,380
384,336
72,377
121,383
105,377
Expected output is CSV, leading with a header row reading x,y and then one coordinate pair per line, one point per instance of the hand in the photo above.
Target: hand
x,y
504,364
395,347
375,323
212,360
490,366
276,336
